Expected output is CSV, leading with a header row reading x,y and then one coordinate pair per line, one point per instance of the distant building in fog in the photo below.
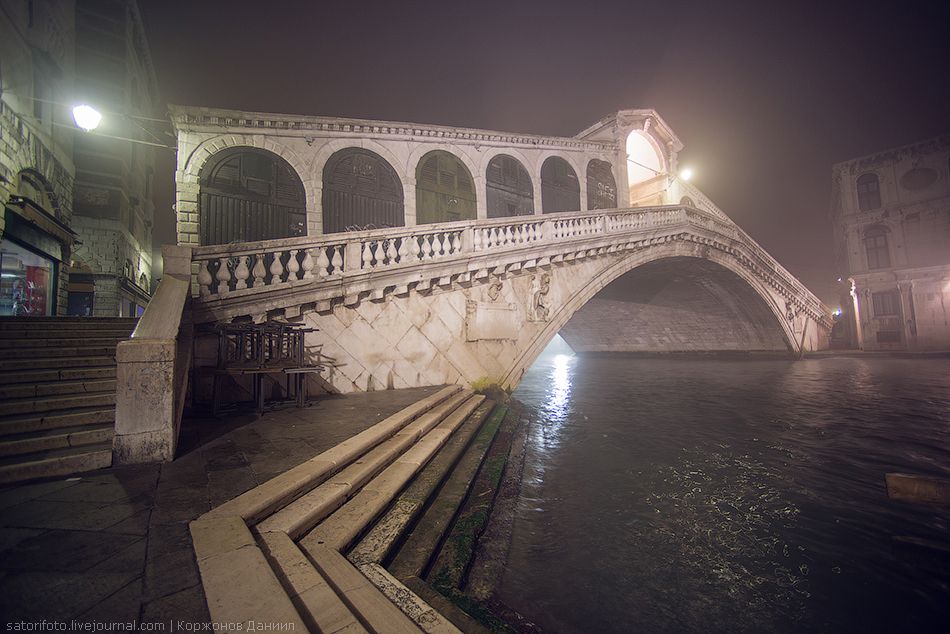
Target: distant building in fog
x,y
112,207
891,215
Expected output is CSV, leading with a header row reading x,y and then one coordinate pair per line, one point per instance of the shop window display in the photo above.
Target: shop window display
x,y
26,281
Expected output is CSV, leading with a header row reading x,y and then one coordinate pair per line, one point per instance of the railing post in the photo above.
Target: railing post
x,y
547,230
353,257
468,239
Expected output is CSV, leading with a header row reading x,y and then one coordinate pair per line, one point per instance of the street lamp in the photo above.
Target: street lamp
x,y
686,173
86,117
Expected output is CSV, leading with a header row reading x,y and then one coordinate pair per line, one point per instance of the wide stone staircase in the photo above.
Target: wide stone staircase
x,y
57,394
376,534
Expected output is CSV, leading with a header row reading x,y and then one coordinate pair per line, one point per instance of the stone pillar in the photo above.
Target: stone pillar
x,y
151,370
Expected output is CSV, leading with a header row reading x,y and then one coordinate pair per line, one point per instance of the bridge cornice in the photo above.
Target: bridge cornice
x,y
219,121
288,276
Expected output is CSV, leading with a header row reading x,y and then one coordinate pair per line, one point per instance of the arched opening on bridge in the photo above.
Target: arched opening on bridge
x,y
247,195
361,190
646,171
678,304
509,191
601,186
445,191
560,189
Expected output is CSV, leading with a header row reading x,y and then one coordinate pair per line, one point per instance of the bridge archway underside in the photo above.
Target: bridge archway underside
x,y
475,300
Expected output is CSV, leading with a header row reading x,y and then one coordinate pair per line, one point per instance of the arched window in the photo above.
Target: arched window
x,y
509,189
560,190
445,191
686,201
361,191
869,192
248,195
33,186
601,186
875,245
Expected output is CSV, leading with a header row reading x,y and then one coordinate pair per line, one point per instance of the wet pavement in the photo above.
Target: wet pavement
x,y
112,546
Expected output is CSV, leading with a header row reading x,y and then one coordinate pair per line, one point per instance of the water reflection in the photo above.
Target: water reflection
x,y
671,496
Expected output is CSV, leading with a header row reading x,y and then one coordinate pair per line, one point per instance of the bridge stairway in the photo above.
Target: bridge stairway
x,y
57,394
312,546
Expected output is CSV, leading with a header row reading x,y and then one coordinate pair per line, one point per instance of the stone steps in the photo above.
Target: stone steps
x,y
49,375
57,394
284,537
424,542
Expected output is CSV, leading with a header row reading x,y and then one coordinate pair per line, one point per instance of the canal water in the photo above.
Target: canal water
x,y
705,495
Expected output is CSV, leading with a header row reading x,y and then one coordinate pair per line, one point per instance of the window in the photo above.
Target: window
x,y
875,245
886,303
869,192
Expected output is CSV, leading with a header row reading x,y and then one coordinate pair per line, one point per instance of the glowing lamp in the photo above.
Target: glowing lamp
x,y
686,174
86,117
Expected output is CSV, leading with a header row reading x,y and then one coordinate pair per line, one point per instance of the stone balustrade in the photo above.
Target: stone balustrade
x,y
343,265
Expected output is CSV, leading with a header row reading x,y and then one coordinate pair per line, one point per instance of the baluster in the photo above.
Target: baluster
x,y
259,271
455,242
306,265
276,269
336,260
367,255
436,245
392,255
426,248
405,254
223,275
413,248
323,262
204,279
506,237
241,273
292,265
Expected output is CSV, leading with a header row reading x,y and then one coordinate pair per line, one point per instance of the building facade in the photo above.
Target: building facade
x,y
113,211
36,166
891,216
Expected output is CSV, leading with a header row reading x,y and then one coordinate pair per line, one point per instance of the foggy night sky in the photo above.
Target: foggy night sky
x,y
765,95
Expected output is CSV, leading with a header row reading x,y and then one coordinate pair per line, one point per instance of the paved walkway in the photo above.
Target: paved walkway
x,y
113,546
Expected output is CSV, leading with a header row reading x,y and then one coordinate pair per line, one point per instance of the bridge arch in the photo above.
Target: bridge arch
x,y
360,189
445,189
674,251
509,190
560,186
249,194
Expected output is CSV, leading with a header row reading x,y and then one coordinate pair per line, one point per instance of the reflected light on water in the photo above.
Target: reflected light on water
x,y
557,401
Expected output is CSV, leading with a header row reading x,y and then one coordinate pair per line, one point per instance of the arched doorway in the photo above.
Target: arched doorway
x,y
646,172
601,186
445,191
361,190
560,189
509,191
247,195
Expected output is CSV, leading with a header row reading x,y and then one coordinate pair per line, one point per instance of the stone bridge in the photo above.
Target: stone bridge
x,y
478,300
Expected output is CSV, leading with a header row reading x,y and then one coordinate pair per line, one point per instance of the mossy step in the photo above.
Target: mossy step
x,y
447,572
423,543
346,523
376,545
57,341
51,352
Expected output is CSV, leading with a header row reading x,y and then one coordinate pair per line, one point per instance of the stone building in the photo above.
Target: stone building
x,y
113,209
36,166
891,215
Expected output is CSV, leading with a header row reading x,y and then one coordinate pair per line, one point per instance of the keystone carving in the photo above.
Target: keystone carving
x,y
541,286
